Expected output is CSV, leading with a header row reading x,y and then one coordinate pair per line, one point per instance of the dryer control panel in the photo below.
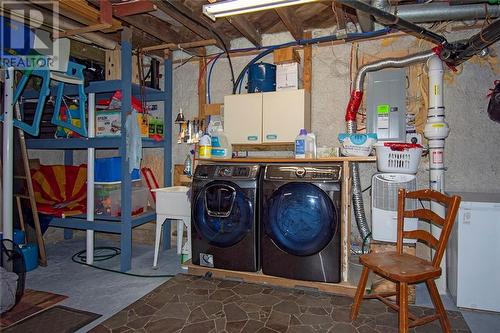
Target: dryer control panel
x,y
305,172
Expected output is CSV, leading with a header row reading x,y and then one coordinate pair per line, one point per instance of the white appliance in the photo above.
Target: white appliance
x,y
473,253
385,188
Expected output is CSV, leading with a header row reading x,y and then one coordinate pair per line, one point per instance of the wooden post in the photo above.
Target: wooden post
x,y
308,64
202,86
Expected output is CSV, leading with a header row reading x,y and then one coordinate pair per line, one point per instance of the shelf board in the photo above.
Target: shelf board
x,y
292,160
284,146
105,224
84,143
104,87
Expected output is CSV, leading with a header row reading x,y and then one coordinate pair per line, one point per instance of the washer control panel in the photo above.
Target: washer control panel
x,y
303,172
226,171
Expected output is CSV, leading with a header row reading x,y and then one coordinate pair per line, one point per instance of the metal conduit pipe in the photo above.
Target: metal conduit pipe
x,y
352,109
432,12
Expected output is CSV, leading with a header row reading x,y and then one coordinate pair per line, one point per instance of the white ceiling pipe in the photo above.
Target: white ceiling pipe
x,y
8,154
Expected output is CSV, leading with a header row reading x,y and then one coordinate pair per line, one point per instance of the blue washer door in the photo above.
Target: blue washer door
x,y
223,214
301,218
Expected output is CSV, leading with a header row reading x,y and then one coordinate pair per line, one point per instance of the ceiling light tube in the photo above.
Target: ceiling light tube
x,y
237,7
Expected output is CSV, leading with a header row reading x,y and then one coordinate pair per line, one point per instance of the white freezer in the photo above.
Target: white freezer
x,y
473,254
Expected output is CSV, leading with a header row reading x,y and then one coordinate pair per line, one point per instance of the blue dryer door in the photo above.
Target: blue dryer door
x,y
223,214
301,218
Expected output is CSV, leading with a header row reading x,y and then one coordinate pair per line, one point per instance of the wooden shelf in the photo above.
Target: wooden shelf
x,y
292,160
343,288
285,146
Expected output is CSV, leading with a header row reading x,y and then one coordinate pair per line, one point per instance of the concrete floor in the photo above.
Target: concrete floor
x,y
106,293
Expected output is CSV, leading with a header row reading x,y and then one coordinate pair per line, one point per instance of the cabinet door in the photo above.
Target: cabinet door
x,y
243,118
285,112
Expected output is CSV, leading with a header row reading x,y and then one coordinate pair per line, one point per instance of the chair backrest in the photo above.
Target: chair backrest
x,y
451,205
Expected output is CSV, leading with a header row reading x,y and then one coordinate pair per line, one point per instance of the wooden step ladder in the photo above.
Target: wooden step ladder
x,y
24,176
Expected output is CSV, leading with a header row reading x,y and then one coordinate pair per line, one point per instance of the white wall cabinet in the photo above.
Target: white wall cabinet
x,y
266,117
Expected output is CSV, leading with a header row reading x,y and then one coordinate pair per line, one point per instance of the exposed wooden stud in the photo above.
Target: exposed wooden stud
x,y
174,46
339,14
202,96
132,8
308,64
153,27
291,21
247,29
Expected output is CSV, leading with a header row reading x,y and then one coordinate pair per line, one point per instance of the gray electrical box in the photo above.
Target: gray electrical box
x,y
386,104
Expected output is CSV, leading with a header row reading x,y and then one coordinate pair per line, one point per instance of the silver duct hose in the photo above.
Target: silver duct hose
x,y
357,194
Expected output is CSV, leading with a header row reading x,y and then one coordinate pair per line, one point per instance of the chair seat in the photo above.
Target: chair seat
x,y
63,77
400,267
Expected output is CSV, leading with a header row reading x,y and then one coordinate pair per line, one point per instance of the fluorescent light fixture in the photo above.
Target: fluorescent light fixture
x,y
236,7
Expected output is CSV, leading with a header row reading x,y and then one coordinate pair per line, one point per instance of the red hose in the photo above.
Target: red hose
x,y
353,106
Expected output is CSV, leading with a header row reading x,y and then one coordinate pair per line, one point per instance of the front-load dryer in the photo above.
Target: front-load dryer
x,y
300,221
224,217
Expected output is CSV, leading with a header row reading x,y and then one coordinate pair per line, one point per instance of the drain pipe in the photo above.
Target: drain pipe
x,y
436,130
350,117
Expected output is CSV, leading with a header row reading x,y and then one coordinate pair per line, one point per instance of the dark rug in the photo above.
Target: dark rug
x,y
58,319
33,301
188,303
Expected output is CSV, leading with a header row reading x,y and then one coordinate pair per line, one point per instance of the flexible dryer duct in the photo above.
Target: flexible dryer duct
x,y
350,117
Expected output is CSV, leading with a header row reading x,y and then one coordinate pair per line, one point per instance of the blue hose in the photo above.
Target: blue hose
x,y
349,37
210,75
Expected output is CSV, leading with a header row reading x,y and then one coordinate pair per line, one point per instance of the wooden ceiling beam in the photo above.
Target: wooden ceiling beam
x,y
133,8
291,21
153,26
339,14
247,29
193,21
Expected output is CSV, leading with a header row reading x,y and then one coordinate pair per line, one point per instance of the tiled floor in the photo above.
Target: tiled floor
x,y
107,293
193,304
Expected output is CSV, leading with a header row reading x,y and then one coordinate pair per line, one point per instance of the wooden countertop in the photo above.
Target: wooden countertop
x,y
291,160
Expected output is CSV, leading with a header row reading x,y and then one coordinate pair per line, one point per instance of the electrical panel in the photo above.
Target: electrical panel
x,y
386,104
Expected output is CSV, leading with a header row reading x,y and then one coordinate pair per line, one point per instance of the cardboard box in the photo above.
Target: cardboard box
x,y
286,55
108,123
289,76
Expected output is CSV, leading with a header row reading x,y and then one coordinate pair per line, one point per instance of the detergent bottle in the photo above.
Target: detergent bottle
x,y
221,148
311,146
300,144
205,147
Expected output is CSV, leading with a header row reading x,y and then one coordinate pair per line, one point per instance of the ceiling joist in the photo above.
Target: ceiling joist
x,y
291,22
247,29
194,22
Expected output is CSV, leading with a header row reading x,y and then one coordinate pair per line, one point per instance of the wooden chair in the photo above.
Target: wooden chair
x,y
405,269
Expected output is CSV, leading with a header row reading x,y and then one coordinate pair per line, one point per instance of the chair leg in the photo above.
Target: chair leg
x,y
397,294
360,291
159,224
403,307
438,305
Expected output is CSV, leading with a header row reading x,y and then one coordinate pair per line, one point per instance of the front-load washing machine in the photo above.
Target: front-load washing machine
x,y
300,221
224,217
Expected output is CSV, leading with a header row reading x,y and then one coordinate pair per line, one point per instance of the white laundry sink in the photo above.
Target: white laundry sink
x,y
173,201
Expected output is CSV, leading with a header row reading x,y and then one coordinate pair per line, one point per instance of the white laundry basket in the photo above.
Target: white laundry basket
x,y
398,157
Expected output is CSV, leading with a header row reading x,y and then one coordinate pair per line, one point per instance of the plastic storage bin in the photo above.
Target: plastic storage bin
x,y
398,157
109,170
107,198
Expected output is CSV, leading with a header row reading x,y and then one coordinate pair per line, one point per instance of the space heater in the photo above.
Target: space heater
x,y
385,188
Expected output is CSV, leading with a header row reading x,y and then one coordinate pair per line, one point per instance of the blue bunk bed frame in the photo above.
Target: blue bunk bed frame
x,y
119,225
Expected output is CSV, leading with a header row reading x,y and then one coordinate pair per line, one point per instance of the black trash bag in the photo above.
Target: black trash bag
x,y
494,104
12,260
